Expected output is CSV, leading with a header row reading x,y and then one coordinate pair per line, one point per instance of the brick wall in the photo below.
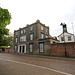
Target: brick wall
x,y
10,50
59,49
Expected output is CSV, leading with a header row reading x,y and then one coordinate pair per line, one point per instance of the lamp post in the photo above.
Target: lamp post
x,y
8,48
64,30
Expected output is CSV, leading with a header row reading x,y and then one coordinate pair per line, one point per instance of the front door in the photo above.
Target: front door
x,y
22,48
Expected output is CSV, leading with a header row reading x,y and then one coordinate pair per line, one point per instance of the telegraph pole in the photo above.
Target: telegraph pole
x,y
73,30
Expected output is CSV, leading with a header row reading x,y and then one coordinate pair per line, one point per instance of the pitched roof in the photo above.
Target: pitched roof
x,y
67,33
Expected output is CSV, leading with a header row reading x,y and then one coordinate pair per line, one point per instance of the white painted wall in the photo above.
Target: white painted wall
x,y
66,37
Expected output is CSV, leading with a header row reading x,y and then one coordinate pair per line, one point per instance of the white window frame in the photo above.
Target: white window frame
x,y
42,35
46,30
69,38
24,37
16,33
31,36
16,40
41,47
46,36
21,31
62,39
15,48
24,30
21,39
31,47
31,28
41,27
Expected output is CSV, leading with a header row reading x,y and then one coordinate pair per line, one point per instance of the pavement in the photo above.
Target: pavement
x,y
48,57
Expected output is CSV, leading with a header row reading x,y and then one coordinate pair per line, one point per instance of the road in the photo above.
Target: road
x,y
14,64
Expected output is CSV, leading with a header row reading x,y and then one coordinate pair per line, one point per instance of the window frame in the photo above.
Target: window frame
x,y
16,39
31,35
21,31
46,30
31,28
24,30
69,38
31,49
42,35
46,36
42,28
62,39
42,43
16,33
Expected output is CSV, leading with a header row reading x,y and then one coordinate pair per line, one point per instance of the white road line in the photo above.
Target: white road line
x,y
37,66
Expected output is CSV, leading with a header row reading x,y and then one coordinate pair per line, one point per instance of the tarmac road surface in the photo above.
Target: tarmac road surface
x,y
13,64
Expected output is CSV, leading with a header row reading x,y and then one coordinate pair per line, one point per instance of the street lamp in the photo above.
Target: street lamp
x,y
8,48
64,30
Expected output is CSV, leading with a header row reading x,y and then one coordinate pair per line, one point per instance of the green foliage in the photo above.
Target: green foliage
x,y
5,17
3,46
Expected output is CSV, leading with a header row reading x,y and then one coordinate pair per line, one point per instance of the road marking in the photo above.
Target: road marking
x,y
37,66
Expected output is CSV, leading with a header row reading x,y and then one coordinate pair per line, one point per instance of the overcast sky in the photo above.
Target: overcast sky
x,y
49,12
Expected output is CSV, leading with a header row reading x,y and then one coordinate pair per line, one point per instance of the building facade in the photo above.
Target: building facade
x,y
32,39
65,36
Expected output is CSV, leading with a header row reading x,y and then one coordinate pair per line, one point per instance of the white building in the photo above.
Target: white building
x,y
66,37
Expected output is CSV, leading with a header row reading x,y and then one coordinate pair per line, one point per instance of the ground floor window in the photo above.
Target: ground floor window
x,y
31,47
15,48
41,47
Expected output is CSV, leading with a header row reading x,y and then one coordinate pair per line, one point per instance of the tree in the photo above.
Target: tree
x,y
5,17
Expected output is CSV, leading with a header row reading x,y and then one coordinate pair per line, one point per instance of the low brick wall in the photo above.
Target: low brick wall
x,y
59,49
8,50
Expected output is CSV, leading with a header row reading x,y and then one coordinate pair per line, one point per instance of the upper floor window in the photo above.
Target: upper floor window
x,y
24,30
16,33
23,38
31,28
41,27
16,40
31,36
62,39
21,31
69,38
46,36
42,35
46,30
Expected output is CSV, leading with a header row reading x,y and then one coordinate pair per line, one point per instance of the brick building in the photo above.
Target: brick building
x,y
32,39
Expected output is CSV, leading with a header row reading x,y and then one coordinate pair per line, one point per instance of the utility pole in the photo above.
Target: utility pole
x,y
73,31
